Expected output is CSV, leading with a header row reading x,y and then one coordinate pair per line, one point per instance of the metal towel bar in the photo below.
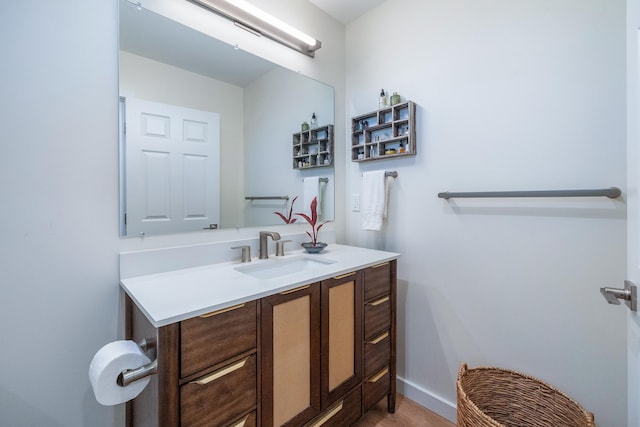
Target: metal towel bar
x,y
612,193
266,198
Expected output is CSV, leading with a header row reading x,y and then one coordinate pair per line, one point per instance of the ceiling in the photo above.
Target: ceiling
x,y
346,11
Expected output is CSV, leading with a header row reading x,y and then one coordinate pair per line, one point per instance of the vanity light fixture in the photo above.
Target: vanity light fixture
x,y
256,21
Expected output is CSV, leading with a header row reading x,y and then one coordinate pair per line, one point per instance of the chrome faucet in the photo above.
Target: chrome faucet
x,y
264,250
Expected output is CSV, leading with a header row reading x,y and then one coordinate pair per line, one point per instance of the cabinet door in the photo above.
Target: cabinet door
x,y
341,335
290,350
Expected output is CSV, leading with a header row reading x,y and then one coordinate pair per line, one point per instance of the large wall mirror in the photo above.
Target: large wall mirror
x,y
205,127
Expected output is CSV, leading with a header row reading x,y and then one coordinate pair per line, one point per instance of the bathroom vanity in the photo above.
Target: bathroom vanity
x,y
299,340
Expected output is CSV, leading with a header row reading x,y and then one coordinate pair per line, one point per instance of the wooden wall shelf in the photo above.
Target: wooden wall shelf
x,y
313,148
386,133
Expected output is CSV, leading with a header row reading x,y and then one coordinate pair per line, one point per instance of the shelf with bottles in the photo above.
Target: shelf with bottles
x,y
385,133
313,148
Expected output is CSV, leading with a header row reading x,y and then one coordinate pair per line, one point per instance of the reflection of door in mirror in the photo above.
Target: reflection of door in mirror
x,y
172,168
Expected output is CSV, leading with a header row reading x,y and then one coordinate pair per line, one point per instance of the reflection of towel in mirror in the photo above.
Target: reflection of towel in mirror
x,y
374,203
311,189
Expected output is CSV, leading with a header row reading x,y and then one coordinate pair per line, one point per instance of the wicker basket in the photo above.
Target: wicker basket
x,y
492,397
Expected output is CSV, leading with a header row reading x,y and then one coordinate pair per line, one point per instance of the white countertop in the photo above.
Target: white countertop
x,y
178,295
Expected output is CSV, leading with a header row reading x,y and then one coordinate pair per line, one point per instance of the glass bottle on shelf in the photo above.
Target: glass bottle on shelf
x,y
382,103
314,121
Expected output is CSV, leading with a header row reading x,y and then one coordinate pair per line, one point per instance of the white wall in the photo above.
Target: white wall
x,y
511,96
633,221
59,172
59,190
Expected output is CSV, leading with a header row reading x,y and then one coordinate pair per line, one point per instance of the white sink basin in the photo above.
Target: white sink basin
x,y
273,268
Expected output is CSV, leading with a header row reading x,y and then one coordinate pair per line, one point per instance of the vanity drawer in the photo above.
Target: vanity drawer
x,y
215,337
377,353
377,280
375,388
377,316
342,413
221,396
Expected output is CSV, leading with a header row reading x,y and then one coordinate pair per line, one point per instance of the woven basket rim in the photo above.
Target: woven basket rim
x,y
589,417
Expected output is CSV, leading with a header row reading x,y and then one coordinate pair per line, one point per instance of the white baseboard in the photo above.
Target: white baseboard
x,y
429,400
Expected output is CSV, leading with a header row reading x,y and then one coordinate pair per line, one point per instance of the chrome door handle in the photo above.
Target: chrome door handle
x,y
628,295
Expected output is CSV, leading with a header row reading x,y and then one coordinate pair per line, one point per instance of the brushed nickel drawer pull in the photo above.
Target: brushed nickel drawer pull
x,y
240,423
342,276
378,301
378,339
376,378
380,265
222,310
221,373
329,415
290,291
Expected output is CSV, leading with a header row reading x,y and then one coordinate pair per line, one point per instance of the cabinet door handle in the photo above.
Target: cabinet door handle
x,y
342,276
380,265
222,310
290,291
378,301
328,416
378,339
240,423
221,373
379,375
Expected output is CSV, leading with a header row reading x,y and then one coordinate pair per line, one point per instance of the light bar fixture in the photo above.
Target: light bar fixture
x,y
250,18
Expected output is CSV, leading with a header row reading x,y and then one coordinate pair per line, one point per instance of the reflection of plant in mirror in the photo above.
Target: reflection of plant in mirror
x,y
288,219
313,221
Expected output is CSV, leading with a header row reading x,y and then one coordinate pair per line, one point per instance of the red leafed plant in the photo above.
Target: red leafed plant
x,y
288,219
313,221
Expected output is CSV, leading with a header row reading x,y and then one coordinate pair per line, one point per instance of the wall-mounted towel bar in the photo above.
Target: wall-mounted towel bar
x,y
323,179
392,174
266,198
612,193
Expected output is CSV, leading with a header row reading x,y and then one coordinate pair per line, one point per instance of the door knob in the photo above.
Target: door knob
x,y
628,294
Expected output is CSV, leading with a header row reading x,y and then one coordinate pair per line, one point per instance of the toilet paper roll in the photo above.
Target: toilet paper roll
x,y
108,363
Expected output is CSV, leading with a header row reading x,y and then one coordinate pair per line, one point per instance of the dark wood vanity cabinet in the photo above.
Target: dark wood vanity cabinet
x,y
318,355
207,369
379,354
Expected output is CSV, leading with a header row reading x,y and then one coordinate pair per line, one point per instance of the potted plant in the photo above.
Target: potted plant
x,y
313,246
288,219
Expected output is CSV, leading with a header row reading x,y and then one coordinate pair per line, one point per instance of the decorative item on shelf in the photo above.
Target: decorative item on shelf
x,y
313,246
288,219
314,121
395,98
305,126
382,103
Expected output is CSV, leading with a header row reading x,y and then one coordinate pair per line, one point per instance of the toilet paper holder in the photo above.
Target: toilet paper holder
x,y
126,377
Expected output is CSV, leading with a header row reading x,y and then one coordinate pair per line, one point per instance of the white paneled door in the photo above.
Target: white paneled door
x,y
172,168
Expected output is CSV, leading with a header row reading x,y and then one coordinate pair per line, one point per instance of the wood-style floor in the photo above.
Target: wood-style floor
x,y
408,414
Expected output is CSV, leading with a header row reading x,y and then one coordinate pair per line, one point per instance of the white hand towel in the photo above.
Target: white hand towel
x,y
311,189
374,203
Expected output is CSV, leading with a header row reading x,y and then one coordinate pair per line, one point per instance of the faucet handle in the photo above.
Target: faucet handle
x,y
280,247
246,252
